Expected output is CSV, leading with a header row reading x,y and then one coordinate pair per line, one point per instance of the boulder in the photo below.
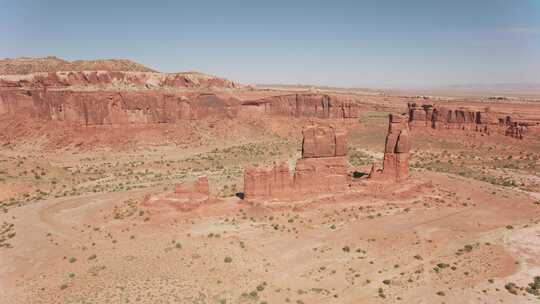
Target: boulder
x,y
115,108
267,182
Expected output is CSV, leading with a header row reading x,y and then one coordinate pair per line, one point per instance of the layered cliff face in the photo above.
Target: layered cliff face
x,y
107,92
322,169
108,108
442,118
26,65
113,80
307,105
434,117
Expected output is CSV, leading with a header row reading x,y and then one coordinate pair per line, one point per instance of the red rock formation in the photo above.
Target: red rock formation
x,y
195,191
429,116
267,182
323,141
307,105
396,151
322,169
186,197
106,108
113,79
321,175
442,118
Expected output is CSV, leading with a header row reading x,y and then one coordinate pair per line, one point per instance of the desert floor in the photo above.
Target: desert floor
x,y
465,227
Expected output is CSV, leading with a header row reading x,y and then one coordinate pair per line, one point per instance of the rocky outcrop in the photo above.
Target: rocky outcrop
x,y
113,80
322,169
323,141
512,128
429,116
197,190
185,197
268,182
110,108
122,93
307,105
396,151
442,118
321,175
26,65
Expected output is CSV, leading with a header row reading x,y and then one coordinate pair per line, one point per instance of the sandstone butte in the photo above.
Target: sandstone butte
x,y
110,108
430,116
323,168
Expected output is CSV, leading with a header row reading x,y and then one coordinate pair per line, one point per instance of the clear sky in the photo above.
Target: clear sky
x,y
341,43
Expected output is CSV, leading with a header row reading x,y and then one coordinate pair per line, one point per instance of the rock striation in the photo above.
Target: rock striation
x,y
113,80
111,108
198,190
27,65
430,116
322,169
306,105
123,93
442,118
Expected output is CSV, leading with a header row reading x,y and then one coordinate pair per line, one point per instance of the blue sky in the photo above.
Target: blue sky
x,y
338,43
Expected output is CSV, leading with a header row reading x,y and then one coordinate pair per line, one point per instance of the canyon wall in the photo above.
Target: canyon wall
x,y
89,98
443,118
106,108
307,105
435,117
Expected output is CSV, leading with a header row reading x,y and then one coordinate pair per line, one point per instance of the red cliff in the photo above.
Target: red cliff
x,y
443,118
307,105
106,108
